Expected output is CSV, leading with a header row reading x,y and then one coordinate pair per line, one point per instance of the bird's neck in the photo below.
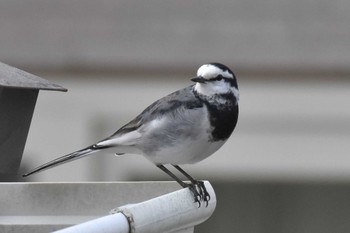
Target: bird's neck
x,y
222,114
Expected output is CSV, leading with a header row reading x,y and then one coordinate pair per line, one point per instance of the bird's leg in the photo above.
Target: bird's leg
x,y
193,181
192,187
197,183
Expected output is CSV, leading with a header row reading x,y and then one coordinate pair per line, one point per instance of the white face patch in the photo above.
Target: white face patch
x,y
209,71
212,88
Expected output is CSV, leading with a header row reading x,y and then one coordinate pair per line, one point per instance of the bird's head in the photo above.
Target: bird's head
x,y
215,78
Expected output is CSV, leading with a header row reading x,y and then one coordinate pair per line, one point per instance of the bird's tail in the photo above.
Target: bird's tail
x,y
64,159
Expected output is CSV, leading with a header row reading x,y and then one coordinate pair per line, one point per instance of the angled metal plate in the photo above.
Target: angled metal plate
x,y
12,77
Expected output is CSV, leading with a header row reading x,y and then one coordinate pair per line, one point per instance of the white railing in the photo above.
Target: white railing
x,y
173,212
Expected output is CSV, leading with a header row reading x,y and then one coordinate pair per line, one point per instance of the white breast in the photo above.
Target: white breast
x,y
186,148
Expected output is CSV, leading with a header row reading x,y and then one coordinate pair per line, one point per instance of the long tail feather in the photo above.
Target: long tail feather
x,y
64,159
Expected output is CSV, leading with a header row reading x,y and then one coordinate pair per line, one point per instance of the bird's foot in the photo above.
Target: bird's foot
x,y
205,196
204,192
199,192
196,194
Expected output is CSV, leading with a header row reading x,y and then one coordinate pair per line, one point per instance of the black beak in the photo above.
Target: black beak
x,y
198,79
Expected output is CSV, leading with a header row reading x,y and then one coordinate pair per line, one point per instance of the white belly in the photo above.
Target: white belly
x,y
185,152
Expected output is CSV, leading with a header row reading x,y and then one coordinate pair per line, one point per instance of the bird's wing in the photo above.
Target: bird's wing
x,y
129,134
181,99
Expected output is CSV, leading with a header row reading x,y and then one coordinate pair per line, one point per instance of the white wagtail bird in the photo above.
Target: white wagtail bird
x,y
184,127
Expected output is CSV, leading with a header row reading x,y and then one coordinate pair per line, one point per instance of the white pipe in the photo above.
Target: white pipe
x,y
114,223
168,213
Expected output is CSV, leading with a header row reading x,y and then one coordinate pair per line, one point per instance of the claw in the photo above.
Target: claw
x,y
203,192
197,196
199,192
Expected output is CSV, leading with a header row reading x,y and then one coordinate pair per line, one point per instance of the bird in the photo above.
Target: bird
x,y
183,127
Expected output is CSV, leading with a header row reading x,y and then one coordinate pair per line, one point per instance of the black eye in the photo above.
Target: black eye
x,y
218,78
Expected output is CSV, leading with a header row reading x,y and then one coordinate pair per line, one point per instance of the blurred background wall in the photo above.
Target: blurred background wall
x,y
286,168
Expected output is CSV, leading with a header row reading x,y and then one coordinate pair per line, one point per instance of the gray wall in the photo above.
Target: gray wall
x,y
283,34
